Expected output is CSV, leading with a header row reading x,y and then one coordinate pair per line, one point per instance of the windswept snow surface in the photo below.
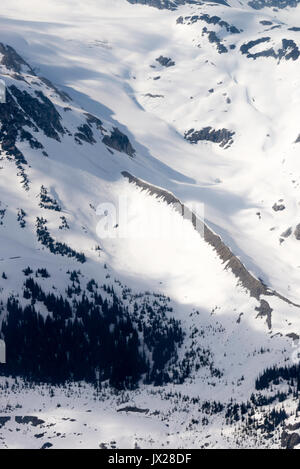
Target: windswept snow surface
x,y
103,53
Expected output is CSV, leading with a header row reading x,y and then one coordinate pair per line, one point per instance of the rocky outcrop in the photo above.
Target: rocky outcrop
x,y
223,137
264,310
133,409
85,134
165,61
214,39
288,51
150,95
297,232
85,131
12,60
34,421
215,20
278,207
172,4
289,440
63,96
245,278
119,141
3,421
40,110
255,286
287,233
259,4
94,120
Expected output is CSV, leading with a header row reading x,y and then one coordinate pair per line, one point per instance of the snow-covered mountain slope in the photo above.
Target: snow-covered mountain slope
x,y
150,111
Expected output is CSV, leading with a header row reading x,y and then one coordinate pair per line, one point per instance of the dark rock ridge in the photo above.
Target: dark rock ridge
x,y
34,421
297,232
278,207
94,120
290,440
259,4
287,233
41,110
133,409
264,310
215,20
12,121
150,95
288,51
255,286
21,109
222,136
85,131
119,141
165,61
4,420
12,60
63,96
85,134
172,4
214,39
266,23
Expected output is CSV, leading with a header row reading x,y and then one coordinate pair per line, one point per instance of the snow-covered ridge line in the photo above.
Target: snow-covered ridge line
x,y
255,286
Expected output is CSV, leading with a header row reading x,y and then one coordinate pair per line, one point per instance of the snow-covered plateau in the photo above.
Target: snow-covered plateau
x,y
150,224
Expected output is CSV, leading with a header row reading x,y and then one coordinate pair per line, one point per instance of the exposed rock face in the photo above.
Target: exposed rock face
x,y
289,440
85,131
64,96
13,61
265,310
171,4
222,136
288,51
287,233
214,39
12,121
41,111
245,278
4,420
255,286
215,20
278,207
259,4
133,409
34,421
150,95
119,141
94,120
85,134
165,61
297,232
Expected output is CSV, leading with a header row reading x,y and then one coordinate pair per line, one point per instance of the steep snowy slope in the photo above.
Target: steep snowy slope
x,y
150,111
